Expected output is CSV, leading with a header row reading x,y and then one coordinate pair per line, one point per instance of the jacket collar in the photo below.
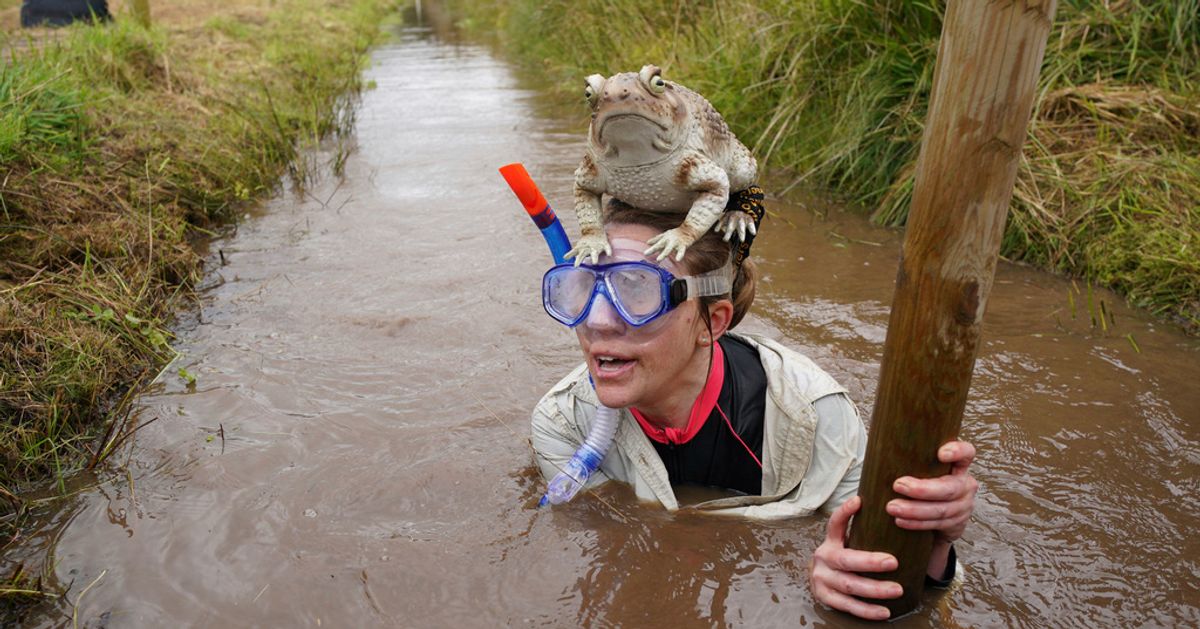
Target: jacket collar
x,y
789,430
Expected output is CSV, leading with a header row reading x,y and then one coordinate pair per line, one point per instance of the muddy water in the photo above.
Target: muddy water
x,y
353,451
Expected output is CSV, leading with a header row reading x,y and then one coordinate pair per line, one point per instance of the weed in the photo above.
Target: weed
x,y
834,92
119,146
41,114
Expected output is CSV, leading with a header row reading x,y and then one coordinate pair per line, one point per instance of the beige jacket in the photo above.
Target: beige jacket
x,y
813,441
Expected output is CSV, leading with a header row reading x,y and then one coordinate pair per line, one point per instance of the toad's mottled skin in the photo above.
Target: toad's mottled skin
x,y
660,147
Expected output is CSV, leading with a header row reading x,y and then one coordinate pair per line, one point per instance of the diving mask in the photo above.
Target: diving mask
x,y
639,291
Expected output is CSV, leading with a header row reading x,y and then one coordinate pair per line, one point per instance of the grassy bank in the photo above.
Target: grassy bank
x,y
835,93
121,147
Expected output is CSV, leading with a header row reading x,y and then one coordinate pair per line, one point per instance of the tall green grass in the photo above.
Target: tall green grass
x,y
43,115
119,147
835,93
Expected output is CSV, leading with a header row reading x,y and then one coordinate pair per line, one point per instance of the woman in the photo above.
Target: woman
x,y
737,412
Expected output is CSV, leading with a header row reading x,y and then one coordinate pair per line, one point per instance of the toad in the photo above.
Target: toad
x,y
658,146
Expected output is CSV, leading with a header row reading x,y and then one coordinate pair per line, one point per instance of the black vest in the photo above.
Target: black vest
x,y
714,457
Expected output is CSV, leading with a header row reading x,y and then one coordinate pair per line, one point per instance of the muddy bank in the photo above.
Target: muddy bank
x,y
122,148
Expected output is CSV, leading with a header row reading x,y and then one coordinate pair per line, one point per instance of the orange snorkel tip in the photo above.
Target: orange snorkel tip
x,y
538,209
522,185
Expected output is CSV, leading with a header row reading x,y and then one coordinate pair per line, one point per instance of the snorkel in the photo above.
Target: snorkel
x,y
586,460
538,209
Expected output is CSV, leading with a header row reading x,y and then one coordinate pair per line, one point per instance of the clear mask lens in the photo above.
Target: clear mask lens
x,y
639,291
567,294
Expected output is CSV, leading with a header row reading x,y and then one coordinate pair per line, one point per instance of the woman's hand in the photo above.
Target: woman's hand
x,y
942,505
832,575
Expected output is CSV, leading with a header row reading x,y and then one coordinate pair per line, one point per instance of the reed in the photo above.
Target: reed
x,y
120,146
832,94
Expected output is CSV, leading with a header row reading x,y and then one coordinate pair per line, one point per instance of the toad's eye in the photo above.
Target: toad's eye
x,y
593,86
657,84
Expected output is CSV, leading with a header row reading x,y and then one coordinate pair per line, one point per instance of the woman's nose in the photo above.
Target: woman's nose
x,y
603,317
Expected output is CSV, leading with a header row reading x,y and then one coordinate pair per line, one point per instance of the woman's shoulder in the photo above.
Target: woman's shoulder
x,y
569,398
788,371
571,381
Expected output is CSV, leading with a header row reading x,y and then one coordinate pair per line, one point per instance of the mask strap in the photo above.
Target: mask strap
x,y
711,284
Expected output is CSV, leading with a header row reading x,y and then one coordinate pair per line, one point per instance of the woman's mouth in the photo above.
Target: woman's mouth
x,y
608,366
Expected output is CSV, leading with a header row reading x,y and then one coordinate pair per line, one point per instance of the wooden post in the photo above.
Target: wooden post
x,y
141,12
983,90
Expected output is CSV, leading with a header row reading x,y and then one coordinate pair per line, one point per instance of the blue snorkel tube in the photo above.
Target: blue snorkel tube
x,y
538,209
586,460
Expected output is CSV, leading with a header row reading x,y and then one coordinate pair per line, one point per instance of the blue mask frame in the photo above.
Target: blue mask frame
x,y
673,290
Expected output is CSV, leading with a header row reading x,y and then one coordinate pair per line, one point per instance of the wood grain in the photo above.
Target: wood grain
x,y
983,92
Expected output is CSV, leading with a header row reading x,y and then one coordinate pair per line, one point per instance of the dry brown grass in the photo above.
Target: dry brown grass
x,y
173,16
835,92
1111,185
118,148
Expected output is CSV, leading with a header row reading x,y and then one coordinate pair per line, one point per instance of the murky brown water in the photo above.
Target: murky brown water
x,y
354,450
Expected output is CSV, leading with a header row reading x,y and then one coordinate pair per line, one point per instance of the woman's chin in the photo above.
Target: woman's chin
x,y
614,396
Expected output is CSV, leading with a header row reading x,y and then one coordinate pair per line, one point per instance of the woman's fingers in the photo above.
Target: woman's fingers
x,y
851,605
833,552
835,583
953,486
848,560
942,504
839,521
929,511
832,576
960,454
948,516
863,587
951,526
941,488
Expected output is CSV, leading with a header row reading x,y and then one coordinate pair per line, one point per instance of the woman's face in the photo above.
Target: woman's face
x,y
642,366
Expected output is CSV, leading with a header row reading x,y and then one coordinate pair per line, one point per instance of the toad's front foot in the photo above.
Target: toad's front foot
x,y
673,241
589,245
736,221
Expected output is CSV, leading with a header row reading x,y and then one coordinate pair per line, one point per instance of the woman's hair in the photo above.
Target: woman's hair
x,y
709,253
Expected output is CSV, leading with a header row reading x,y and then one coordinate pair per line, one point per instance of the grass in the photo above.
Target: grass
x,y
121,147
834,93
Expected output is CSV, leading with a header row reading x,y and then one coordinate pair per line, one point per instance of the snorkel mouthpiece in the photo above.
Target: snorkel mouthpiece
x,y
538,209
574,475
